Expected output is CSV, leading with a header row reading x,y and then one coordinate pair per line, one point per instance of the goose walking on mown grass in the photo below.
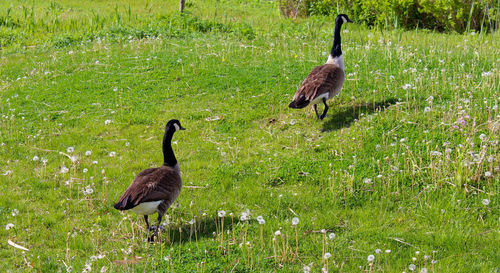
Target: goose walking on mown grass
x,y
154,190
325,81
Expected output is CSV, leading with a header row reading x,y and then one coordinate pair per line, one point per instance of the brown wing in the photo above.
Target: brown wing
x,y
322,79
163,183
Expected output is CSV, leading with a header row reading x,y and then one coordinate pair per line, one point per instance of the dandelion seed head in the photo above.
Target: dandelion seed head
x,y
331,236
371,258
108,121
192,222
378,251
70,149
412,267
423,270
9,226
14,212
64,169
277,233
88,153
387,251
85,170
295,221
221,213
112,154
35,158
485,202
327,255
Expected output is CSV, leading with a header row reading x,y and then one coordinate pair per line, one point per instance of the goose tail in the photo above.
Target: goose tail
x,y
299,103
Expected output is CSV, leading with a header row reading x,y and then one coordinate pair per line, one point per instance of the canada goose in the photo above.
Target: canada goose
x,y
154,190
325,81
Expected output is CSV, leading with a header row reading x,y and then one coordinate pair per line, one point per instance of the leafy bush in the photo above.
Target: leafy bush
x,y
442,15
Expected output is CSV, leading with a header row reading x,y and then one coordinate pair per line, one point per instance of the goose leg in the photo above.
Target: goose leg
x,y
147,223
155,233
316,110
324,111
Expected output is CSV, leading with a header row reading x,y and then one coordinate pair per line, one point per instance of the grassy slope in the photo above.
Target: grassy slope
x,y
253,152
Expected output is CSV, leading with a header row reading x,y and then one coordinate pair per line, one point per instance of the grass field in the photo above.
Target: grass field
x,y
405,167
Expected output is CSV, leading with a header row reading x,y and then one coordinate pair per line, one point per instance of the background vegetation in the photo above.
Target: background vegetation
x,y
441,15
403,171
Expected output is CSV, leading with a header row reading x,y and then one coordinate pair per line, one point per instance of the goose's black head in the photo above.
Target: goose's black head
x,y
342,18
173,126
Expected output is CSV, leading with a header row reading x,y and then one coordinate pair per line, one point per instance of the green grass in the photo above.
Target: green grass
x,y
390,167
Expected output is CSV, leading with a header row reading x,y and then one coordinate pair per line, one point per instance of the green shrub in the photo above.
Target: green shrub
x,y
441,15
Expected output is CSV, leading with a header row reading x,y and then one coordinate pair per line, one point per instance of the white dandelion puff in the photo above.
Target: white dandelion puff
x,y
112,154
412,267
331,236
221,213
378,250
483,137
485,202
35,158
192,222
295,221
70,149
423,270
371,258
108,121
277,233
88,153
14,212
387,251
9,226
64,169
261,220
327,255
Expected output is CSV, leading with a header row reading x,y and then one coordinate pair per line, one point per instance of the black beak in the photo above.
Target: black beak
x,y
349,20
182,128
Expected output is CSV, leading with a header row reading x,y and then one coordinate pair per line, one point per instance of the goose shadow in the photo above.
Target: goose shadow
x,y
348,114
203,228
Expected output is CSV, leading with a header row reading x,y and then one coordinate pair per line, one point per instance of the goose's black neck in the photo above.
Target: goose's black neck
x,y
168,154
336,48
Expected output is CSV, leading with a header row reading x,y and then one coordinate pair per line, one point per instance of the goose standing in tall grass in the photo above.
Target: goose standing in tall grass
x,y
154,190
325,81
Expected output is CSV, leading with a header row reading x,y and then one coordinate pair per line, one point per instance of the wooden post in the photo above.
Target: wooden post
x,y
181,5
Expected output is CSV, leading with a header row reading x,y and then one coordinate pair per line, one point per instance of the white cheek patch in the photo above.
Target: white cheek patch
x,y
176,127
344,19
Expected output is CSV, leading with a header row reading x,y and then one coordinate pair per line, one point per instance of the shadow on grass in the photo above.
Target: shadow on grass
x,y
348,114
203,228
